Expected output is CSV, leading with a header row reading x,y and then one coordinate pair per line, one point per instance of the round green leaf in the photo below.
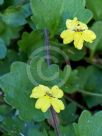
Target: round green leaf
x,y
14,17
17,96
89,125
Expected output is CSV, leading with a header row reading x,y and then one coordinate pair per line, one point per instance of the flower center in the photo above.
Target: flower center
x,y
79,28
49,94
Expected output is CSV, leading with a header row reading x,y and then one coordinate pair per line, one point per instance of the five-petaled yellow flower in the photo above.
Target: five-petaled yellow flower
x,y
48,97
77,32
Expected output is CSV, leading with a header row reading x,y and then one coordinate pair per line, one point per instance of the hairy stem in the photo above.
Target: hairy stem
x,y
48,59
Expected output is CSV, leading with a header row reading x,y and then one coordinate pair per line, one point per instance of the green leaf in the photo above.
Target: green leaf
x,y
95,7
65,131
1,2
34,131
12,125
14,17
69,114
53,14
68,130
2,26
72,82
10,33
30,42
46,16
91,86
4,110
14,80
3,49
89,125
7,61
26,10
96,45
73,53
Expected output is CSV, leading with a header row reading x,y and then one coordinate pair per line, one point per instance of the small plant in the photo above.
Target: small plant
x,y
50,68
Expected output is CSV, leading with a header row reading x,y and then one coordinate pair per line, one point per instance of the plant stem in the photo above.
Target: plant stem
x,y
55,121
48,59
47,47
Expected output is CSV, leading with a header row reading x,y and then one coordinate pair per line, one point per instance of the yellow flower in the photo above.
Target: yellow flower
x,y
77,32
48,97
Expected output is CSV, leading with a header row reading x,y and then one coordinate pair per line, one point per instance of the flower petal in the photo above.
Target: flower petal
x,y
78,40
67,36
43,103
82,26
71,24
57,105
56,92
89,36
39,91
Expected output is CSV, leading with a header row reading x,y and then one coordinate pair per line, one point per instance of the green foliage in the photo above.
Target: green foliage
x,y
27,111
22,79
16,16
9,33
54,13
29,42
1,2
87,124
24,65
3,49
32,132
95,7
74,54
96,46
68,116
7,61
91,85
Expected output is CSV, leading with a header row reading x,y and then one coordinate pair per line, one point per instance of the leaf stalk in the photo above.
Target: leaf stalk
x,y
48,60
